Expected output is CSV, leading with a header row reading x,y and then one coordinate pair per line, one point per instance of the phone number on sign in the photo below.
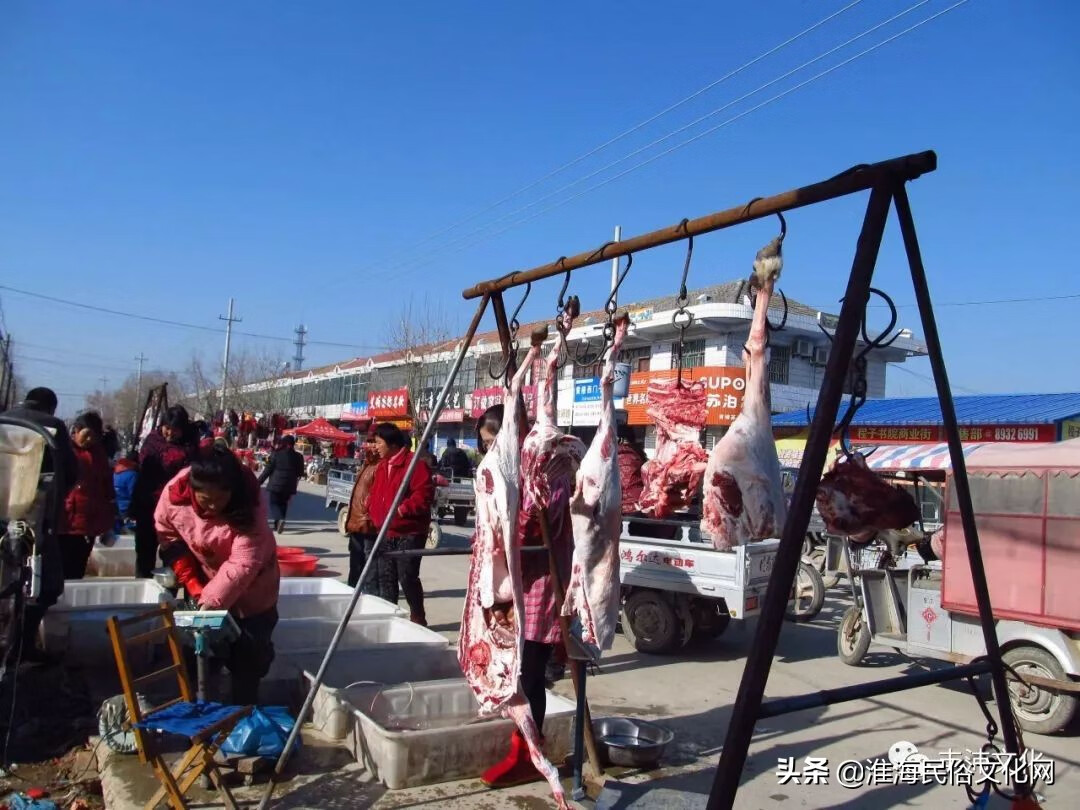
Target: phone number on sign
x,y
655,558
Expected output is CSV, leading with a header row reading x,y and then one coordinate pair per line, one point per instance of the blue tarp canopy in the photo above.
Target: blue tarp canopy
x,y
984,409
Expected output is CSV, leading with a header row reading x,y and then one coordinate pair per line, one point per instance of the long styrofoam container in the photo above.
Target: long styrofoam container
x,y
424,732
75,626
313,586
314,635
387,665
333,606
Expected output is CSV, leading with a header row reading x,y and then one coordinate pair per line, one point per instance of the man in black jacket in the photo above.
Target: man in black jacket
x,y
283,471
39,407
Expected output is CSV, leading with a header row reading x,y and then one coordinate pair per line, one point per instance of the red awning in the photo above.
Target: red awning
x,y
324,431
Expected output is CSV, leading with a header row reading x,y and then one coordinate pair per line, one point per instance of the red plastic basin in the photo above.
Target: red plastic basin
x,y
302,565
290,551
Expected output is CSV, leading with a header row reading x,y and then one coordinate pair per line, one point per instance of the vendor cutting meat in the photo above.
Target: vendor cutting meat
x,y
212,527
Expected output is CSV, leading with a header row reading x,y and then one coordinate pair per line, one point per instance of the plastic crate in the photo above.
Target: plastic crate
x,y
333,606
75,626
314,635
117,560
425,732
382,666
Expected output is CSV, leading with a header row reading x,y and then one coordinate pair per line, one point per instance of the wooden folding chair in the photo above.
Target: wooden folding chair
x,y
199,758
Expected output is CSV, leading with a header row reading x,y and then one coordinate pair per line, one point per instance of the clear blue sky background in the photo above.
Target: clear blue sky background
x,y
161,157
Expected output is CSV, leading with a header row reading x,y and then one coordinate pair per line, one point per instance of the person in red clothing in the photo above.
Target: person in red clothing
x,y
211,524
408,526
90,507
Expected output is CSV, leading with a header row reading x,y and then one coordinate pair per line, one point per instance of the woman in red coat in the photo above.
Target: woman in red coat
x,y
90,507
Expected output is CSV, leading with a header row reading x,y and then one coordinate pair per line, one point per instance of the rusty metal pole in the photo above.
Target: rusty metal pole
x,y
747,706
960,479
856,179
440,402
503,326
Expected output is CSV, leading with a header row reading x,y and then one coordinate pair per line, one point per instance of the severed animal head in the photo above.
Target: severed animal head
x,y
539,335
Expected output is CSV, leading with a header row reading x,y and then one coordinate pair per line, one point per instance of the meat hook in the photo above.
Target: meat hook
x,y
514,326
583,353
566,283
682,319
611,306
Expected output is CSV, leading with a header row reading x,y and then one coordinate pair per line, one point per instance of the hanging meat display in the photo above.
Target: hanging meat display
x,y
489,649
743,496
678,409
592,597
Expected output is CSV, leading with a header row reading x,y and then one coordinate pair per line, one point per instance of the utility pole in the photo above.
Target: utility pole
x,y
104,387
298,358
229,321
138,394
615,261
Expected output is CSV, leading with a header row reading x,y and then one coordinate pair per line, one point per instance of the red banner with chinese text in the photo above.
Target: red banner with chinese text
x,y
389,404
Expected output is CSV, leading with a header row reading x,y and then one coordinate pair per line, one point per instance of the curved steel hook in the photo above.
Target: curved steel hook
x,y
514,325
879,342
611,306
583,356
566,283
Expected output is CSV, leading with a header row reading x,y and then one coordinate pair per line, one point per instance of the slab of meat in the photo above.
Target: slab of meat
x,y
547,451
490,652
852,500
672,476
743,496
592,597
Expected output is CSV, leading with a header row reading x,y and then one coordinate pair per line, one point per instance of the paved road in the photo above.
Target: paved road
x,y
692,693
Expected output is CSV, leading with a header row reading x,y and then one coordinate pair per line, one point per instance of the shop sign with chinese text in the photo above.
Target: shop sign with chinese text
x,y
389,404
484,398
932,434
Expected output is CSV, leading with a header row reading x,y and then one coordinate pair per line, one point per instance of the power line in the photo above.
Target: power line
x,y
929,379
699,136
655,142
28,359
656,116
180,324
991,302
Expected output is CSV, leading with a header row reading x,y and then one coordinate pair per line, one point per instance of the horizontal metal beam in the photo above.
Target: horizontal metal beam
x,y
861,691
856,179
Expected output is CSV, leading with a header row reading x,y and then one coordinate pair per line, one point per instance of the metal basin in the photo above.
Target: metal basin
x,y
630,743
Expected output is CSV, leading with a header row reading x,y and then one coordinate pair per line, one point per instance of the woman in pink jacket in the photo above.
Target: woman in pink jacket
x,y
213,532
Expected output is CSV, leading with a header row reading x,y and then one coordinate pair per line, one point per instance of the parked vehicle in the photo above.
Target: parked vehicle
x,y
454,496
1027,506
675,589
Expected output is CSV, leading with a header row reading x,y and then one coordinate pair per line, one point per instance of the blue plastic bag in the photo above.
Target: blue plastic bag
x,y
263,733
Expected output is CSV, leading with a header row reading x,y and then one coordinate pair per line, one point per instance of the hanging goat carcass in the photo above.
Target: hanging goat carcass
x,y
489,649
592,599
743,492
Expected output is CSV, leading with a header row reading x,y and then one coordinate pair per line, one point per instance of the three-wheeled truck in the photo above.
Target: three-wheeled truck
x,y
1027,511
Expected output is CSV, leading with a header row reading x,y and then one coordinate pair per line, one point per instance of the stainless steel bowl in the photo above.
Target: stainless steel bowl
x,y
629,742
165,578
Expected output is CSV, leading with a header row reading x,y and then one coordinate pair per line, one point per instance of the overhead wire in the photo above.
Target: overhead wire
x,y
180,324
635,128
656,142
704,133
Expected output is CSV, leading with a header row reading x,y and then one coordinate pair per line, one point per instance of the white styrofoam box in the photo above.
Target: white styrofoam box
x,y
314,635
75,626
313,586
117,560
424,732
387,665
333,606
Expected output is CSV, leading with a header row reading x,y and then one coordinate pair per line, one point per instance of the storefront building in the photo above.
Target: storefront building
x,y
402,386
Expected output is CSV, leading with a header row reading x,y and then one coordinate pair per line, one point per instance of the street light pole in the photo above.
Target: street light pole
x,y
138,394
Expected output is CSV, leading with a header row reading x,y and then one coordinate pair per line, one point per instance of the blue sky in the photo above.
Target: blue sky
x,y
161,157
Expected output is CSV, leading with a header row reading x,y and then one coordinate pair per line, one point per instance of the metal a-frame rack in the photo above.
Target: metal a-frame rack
x,y
886,182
